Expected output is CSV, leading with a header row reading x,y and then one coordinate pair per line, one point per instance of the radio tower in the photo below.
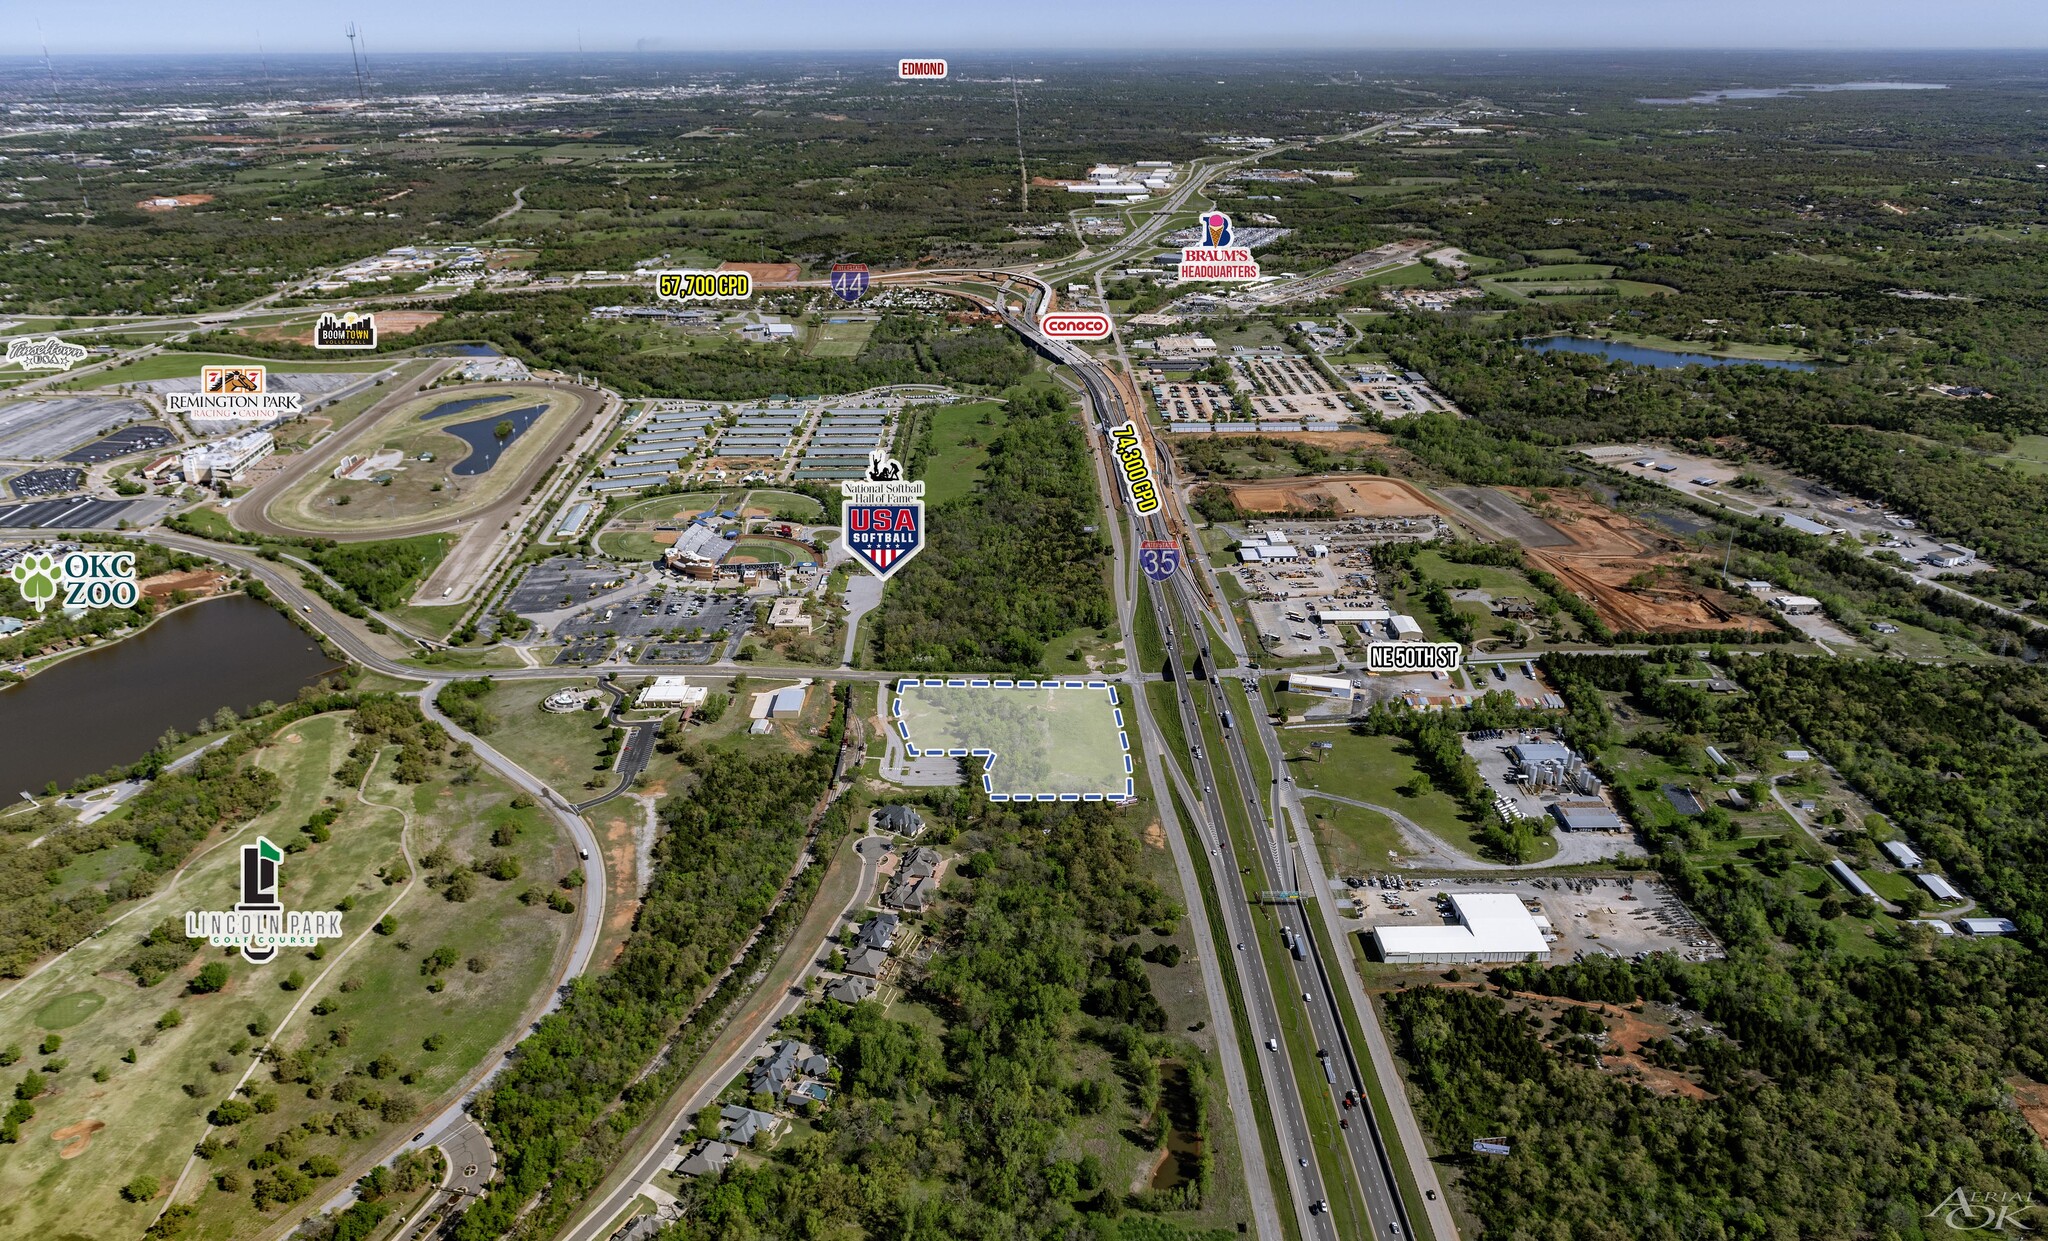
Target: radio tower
x,y
1023,177
356,60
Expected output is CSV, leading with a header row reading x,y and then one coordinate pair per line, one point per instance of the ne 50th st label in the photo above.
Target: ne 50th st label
x,y
1413,657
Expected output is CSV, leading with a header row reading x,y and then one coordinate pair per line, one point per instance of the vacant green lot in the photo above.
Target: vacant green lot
x,y
841,340
1353,840
2029,454
172,364
959,436
564,750
1378,770
1045,740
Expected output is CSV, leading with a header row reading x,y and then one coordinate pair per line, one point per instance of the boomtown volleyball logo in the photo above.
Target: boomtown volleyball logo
x,y
259,924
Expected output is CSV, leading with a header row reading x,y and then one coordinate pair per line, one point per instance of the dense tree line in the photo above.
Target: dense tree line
x,y
1845,1093
1012,566
726,848
1054,908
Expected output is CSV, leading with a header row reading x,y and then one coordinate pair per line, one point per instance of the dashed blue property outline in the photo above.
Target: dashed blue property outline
x,y
987,782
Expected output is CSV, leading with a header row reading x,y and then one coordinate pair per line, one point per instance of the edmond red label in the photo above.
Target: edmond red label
x,y
921,69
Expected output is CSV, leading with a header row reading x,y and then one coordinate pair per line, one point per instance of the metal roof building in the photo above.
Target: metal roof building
x,y
1939,888
1850,879
1587,818
1491,926
1901,853
1986,926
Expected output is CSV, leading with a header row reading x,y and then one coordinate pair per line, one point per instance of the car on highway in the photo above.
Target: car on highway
x,y
1272,1044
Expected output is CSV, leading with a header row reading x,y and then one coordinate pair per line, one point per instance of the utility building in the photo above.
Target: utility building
x,y
1491,926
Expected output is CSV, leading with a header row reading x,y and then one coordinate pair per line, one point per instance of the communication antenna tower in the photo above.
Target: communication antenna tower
x,y
355,59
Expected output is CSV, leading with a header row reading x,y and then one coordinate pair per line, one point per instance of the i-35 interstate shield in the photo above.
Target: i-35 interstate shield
x,y
1159,558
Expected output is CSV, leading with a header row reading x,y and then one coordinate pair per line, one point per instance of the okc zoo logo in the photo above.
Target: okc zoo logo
x,y
259,924
884,516
87,579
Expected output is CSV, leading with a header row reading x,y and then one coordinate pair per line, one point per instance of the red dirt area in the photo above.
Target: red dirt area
x,y
1628,570
173,202
389,323
767,273
1347,495
2033,1100
617,833
1626,1034
197,583
75,1138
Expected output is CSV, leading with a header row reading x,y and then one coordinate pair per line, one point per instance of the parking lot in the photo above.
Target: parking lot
x,y
559,583
79,512
673,615
1591,916
122,443
49,427
37,483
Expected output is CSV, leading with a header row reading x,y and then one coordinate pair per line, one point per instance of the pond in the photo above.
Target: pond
x,y
482,437
107,707
463,406
1779,92
1642,355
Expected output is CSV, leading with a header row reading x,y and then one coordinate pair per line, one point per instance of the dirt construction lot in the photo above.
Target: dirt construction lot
x,y
389,323
1348,495
1630,572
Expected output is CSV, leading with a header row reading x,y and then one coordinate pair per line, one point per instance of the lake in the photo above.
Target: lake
x,y
1641,355
1780,92
482,437
107,707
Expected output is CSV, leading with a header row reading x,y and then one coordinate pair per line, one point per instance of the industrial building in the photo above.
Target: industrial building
x,y
1491,926
225,461
1589,818
672,692
1309,683
1850,879
1796,605
1541,765
1939,888
1987,926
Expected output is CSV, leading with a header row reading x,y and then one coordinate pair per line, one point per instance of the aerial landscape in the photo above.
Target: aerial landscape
x,y
1152,623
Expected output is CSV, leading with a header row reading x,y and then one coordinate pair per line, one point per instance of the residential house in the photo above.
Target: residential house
x,y
788,1061
743,1124
903,820
707,1158
867,963
880,932
850,990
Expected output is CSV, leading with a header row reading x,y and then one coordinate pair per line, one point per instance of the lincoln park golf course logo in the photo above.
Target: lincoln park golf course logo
x,y
259,924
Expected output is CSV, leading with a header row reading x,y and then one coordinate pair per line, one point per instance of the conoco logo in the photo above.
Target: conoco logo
x,y
1075,326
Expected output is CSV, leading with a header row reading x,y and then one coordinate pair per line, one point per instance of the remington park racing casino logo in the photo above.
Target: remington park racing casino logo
x,y
1215,258
883,515
48,354
233,392
1413,657
349,331
259,924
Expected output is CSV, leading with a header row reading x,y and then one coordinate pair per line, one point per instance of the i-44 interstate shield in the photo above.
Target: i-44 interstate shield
x,y
1075,325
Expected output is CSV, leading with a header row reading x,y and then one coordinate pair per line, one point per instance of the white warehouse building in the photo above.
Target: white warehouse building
x,y
1491,926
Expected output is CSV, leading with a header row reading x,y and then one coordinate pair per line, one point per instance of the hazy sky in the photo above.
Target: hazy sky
x,y
914,27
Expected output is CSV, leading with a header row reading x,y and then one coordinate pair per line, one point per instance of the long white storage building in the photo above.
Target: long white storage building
x,y
1491,926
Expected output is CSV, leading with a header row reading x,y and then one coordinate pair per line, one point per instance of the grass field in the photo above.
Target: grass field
x,y
841,340
172,364
1406,276
669,508
960,435
425,488
768,551
1045,740
563,750
2029,454
1375,770
1726,349
630,545
146,1116
1353,839
776,501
